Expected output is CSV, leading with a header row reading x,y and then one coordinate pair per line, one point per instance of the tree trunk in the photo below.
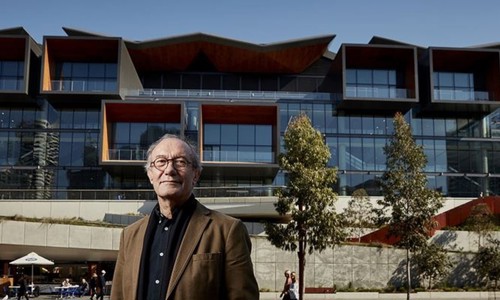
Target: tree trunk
x,y
302,262
302,254
408,275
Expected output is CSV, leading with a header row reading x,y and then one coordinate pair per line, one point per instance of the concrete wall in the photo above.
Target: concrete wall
x,y
97,209
369,267
359,266
32,234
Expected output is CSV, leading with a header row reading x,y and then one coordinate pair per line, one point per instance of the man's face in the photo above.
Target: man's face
x,y
173,184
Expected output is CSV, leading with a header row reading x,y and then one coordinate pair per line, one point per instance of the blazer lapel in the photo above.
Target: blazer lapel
x,y
136,259
192,236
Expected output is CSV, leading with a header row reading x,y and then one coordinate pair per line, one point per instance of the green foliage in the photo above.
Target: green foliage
x,y
359,213
482,221
308,197
432,263
66,221
487,261
411,205
404,189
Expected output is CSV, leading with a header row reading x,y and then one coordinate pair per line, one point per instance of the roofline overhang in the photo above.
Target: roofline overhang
x,y
204,37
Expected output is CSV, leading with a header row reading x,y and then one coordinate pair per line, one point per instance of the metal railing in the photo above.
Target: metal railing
x,y
11,84
157,94
136,194
108,85
460,95
238,156
127,154
376,92
222,156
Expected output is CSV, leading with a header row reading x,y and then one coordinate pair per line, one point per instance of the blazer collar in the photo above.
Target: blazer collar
x,y
137,248
194,231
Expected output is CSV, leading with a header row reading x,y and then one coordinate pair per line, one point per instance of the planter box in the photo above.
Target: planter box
x,y
315,290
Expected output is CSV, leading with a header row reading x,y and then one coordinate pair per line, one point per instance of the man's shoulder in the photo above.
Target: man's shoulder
x,y
137,224
215,215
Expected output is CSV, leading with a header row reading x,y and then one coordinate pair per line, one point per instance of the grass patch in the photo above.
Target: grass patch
x,y
65,221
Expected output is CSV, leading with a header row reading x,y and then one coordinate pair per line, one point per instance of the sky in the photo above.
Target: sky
x,y
426,23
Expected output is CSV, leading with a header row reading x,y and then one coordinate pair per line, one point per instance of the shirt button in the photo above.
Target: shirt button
x,y
161,253
159,222
166,228
157,281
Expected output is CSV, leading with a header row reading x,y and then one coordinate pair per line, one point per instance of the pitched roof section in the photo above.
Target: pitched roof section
x,y
378,40
181,53
14,31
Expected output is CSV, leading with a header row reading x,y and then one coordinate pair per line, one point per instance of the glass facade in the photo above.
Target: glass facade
x,y
62,147
85,77
56,143
368,83
11,75
130,141
238,143
356,146
457,87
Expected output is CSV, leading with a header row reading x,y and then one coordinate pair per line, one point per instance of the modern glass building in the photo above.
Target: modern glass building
x,y
77,112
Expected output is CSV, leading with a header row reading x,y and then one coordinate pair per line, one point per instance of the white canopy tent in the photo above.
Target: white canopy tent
x,y
31,259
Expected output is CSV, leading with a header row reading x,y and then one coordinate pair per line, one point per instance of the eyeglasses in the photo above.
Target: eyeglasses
x,y
161,163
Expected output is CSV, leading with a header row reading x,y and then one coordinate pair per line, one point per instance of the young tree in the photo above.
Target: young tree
x,y
481,221
488,262
432,263
411,204
359,213
308,197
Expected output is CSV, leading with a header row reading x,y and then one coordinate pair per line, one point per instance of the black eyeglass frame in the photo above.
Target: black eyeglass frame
x,y
179,163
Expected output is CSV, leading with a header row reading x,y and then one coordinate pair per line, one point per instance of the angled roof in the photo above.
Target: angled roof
x,y
495,45
181,53
378,40
14,31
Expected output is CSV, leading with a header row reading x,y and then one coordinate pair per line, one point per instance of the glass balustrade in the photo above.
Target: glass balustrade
x,y
227,94
84,85
11,84
134,194
460,95
238,156
127,154
376,92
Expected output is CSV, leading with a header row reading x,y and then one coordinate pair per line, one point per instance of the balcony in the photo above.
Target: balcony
x,y
376,92
133,194
462,80
239,156
84,85
460,95
127,154
7,84
265,96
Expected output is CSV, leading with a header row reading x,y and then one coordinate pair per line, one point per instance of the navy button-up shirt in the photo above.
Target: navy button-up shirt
x,y
162,240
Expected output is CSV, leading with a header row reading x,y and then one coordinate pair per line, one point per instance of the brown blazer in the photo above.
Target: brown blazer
x,y
213,261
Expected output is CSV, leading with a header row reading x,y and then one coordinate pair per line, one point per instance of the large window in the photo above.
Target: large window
x,y
130,141
456,86
85,77
11,75
238,142
367,83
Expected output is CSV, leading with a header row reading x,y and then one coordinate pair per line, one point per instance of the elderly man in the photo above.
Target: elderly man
x,y
183,250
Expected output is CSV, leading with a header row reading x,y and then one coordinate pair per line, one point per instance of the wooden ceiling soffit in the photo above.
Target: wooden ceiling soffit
x,y
227,55
143,112
228,58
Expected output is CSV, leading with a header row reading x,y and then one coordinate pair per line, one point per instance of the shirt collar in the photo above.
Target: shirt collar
x,y
159,216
